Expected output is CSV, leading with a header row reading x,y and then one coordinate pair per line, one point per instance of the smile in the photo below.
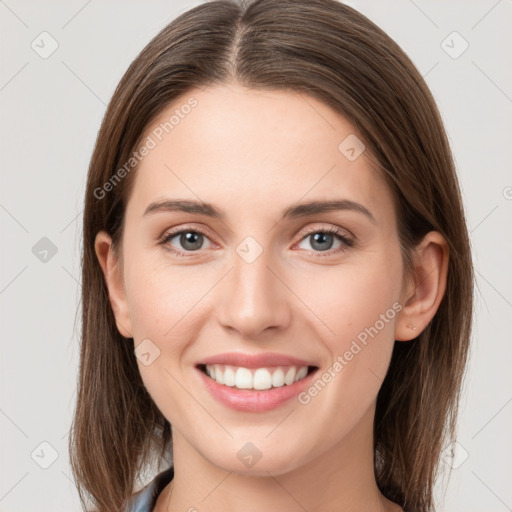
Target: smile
x,y
255,378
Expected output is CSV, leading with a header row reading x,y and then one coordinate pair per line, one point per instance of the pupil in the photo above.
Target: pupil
x,y
320,238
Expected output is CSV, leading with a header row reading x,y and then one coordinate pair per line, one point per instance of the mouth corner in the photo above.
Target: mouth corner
x,y
311,370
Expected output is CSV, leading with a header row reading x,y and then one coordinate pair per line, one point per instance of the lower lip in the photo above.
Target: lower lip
x,y
248,400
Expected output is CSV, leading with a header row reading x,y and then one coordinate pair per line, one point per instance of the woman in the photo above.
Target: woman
x,y
277,279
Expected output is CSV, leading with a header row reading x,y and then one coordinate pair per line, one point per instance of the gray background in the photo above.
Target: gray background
x,y
51,109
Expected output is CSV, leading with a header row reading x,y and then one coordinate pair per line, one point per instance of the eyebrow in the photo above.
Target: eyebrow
x,y
292,212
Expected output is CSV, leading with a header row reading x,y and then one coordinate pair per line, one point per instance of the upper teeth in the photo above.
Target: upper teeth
x,y
257,378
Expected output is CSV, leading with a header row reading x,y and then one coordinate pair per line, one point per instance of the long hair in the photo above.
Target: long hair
x,y
329,51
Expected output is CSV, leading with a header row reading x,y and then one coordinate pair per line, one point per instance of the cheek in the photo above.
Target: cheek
x,y
166,313
160,298
366,309
349,300
360,306
161,303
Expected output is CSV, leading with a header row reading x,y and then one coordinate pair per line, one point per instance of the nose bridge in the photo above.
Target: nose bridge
x,y
253,297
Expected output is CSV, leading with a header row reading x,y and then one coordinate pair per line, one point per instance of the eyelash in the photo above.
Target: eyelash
x,y
330,231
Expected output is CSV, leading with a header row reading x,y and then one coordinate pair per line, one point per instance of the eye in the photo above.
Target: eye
x,y
190,239
322,240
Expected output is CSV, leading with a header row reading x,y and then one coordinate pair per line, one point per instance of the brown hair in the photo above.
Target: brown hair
x,y
329,51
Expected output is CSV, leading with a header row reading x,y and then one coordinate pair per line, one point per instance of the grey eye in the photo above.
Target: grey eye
x,y
191,240
322,241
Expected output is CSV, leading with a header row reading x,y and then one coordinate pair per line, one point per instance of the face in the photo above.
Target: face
x,y
266,286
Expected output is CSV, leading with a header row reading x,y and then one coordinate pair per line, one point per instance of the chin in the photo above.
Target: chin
x,y
249,461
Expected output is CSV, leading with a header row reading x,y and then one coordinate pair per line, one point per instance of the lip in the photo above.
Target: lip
x,y
248,400
264,360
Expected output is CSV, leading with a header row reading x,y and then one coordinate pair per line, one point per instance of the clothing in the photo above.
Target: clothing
x,y
145,499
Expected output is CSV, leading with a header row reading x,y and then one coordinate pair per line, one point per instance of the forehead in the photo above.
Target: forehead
x,y
256,150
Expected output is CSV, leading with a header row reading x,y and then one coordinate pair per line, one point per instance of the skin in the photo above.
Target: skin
x,y
253,154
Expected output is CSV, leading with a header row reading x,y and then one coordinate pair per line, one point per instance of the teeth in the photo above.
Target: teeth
x,y
219,375
259,379
289,378
278,378
243,378
262,379
229,377
301,373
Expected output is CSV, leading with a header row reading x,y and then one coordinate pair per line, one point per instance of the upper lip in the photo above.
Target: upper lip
x,y
255,360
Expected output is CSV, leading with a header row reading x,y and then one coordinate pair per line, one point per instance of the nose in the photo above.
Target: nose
x,y
253,298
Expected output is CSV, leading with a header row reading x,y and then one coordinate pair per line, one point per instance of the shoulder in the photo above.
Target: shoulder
x,y
144,500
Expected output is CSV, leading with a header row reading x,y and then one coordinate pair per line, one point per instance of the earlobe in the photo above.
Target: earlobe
x,y
112,273
421,299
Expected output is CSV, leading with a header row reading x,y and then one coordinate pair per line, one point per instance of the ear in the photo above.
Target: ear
x,y
112,270
425,289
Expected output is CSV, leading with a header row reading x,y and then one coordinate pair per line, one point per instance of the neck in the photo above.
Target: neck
x,y
342,479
